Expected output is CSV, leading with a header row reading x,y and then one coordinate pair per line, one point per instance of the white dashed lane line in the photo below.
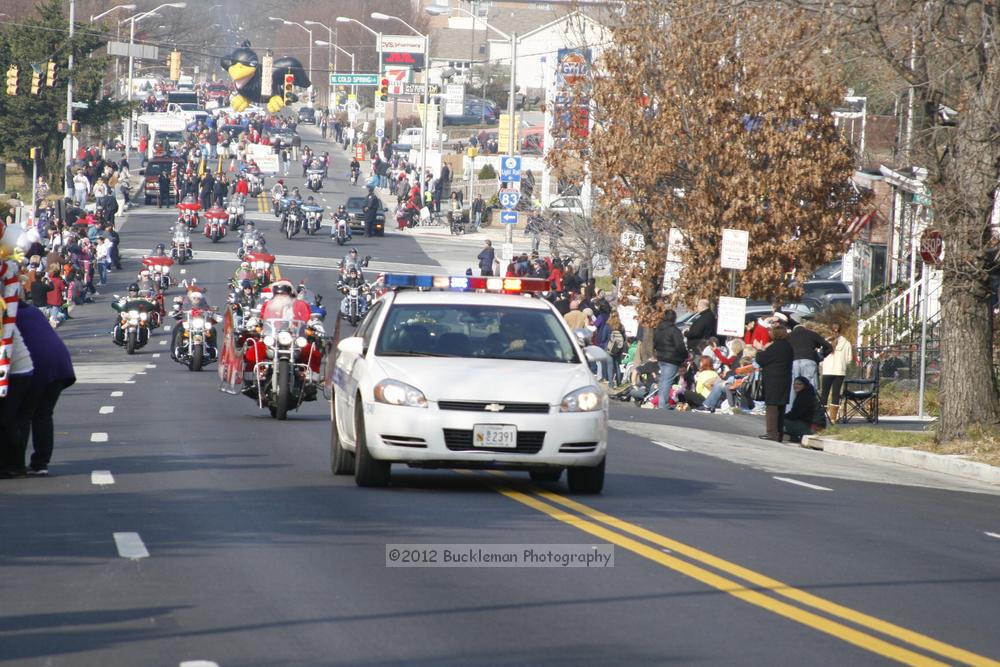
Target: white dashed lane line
x,y
667,445
163,342
156,355
150,365
117,394
101,477
106,409
807,485
199,663
130,546
989,534
98,437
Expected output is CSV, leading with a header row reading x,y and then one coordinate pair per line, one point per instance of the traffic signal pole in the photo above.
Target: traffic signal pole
x,y
69,105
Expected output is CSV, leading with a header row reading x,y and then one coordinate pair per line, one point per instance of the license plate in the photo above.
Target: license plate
x,y
494,435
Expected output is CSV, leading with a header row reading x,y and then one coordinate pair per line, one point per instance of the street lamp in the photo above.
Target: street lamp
x,y
379,16
331,55
131,58
320,42
287,22
378,37
130,6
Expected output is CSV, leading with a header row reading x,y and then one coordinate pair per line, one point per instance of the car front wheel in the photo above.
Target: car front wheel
x,y
368,471
586,480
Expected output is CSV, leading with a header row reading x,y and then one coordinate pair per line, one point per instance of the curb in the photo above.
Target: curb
x,y
941,463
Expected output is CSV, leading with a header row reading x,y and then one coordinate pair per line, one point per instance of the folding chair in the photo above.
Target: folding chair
x,y
860,398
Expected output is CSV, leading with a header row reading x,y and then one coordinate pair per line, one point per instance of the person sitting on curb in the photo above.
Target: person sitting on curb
x,y
807,415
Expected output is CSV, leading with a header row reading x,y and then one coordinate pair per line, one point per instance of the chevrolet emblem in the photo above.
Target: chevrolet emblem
x,y
493,407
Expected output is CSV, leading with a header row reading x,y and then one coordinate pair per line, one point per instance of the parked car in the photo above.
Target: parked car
x,y
828,291
355,207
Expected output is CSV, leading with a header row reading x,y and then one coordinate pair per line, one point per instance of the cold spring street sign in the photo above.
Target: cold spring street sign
x,y
348,79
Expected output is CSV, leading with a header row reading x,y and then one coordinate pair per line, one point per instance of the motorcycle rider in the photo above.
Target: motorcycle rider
x,y
278,191
245,299
352,260
353,279
132,296
159,251
326,163
355,169
243,272
342,216
283,306
196,302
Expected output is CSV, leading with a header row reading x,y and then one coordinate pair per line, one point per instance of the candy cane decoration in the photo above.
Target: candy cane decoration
x,y
8,312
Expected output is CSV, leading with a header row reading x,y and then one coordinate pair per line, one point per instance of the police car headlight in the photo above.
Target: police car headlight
x,y
584,399
395,392
285,337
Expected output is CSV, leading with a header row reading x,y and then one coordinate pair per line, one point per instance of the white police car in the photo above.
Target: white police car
x,y
445,376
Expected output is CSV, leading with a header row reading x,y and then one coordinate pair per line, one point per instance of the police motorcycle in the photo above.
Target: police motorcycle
x,y
282,363
279,198
250,240
292,218
314,176
341,231
255,180
188,212
354,304
236,212
313,213
180,244
194,346
131,330
216,221
158,266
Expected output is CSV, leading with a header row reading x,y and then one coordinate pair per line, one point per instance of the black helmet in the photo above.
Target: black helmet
x,y
134,287
160,247
341,208
246,284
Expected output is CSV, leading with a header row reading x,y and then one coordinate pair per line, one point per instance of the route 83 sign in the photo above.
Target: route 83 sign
x,y
509,199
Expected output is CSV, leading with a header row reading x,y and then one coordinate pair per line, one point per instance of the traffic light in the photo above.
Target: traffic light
x,y
289,84
50,74
12,80
35,153
74,127
175,65
36,82
383,90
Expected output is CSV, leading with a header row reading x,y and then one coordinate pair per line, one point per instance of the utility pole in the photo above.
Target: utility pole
x,y
69,104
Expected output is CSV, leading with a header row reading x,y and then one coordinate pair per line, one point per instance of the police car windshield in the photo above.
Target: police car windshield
x,y
479,332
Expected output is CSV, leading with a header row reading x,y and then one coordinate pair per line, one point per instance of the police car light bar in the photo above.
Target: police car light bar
x,y
467,283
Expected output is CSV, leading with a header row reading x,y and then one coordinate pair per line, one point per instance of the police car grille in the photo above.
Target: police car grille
x,y
460,440
508,408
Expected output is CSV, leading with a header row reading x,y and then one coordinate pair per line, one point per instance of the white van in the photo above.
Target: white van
x,y
410,136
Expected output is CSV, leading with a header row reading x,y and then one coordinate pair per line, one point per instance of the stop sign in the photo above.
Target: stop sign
x,y
931,247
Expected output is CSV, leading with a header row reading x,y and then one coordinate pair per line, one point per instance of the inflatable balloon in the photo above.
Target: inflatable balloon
x,y
244,68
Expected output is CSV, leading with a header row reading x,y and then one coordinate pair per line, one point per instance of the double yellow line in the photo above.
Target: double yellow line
x,y
263,203
747,585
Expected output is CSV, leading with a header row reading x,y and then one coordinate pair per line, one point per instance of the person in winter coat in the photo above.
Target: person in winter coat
x,y
53,373
805,344
702,326
775,361
834,368
670,351
806,416
486,257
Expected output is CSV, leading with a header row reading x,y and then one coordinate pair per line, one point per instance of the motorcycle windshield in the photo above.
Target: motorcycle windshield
x,y
274,326
141,305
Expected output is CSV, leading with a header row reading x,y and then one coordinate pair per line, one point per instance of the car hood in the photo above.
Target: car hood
x,y
450,378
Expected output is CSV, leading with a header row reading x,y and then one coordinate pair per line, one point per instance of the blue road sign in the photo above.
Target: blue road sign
x,y
508,217
510,169
509,199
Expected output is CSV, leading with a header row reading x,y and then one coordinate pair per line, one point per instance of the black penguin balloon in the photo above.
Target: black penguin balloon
x,y
244,68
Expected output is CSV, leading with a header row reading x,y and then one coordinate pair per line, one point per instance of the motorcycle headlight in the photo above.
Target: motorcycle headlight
x,y
134,314
284,338
143,316
198,322
301,341
269,340
354,291
584,399
394,392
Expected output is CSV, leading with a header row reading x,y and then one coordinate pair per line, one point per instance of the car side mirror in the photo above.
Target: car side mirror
x,y
582,337
353,345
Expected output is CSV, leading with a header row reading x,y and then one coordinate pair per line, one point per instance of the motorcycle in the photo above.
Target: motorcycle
x,y
354,305
248,242
195,348
407,217
215,223
261,263
189,213
279,204
291,221
285,366
255,182
132,330
180,246
341,231
314,218
354,176
159,268
237,212
314,179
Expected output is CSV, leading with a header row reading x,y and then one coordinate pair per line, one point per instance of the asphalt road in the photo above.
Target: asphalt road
x,y
248,552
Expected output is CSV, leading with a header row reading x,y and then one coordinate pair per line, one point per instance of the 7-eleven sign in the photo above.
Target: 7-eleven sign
x,y
398,75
